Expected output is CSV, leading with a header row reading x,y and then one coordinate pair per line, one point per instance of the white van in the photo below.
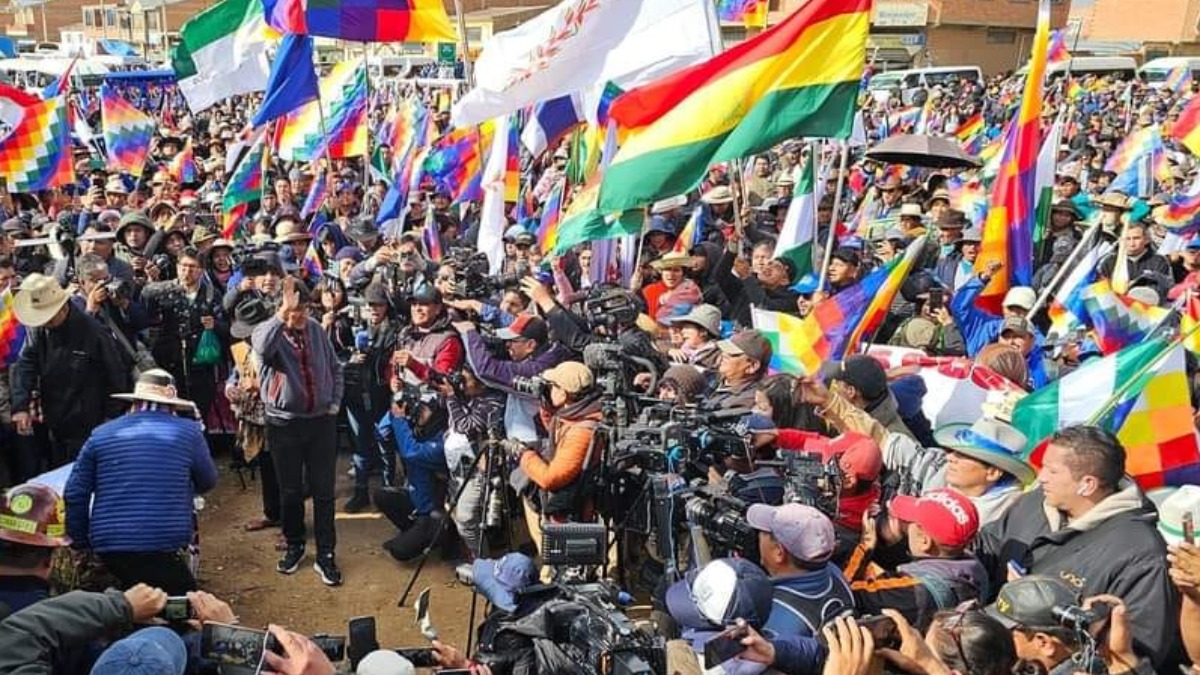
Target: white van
x,y
1124,67
1155,71
908,81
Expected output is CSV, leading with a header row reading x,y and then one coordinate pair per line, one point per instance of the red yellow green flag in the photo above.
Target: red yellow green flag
x,y
797,78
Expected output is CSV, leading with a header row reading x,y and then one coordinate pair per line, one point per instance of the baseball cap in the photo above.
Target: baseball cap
x,y
862,372
858,455
525,326
1028,602
150,651
721,592
572,376
803,530
1016,324
426,295
750,343
500,580
946,514
847,255
758,423
1020,296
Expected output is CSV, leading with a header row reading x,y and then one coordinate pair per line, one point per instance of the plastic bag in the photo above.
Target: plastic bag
x,y
208,350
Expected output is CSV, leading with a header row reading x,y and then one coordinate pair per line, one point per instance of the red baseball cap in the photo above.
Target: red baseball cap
x,y
858,455
946,514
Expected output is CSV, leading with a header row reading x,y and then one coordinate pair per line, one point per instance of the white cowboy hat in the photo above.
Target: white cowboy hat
x,y
991,442
156,386
38,300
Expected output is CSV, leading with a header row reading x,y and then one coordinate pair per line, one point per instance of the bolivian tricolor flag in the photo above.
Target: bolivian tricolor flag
x,y
798,78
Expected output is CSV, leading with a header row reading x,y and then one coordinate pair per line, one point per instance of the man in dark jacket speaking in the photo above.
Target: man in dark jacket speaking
x,y
301,386
1091,527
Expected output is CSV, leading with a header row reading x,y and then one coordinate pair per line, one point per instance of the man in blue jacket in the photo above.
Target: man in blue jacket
x,y
139,474
795,544
418,429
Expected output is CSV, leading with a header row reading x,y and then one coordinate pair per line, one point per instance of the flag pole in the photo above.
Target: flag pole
x,y
1067,266
464,41
367,148
827,254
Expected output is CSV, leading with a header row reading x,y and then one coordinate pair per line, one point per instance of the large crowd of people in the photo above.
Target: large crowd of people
x,y
479,411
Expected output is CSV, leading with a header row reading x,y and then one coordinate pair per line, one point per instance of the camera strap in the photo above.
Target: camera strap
x,y
135,355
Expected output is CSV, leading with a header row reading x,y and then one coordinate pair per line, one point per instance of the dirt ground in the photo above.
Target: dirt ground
x,y
239,567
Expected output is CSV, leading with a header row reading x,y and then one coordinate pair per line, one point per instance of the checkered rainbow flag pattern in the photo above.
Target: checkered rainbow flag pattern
x,y
37,155
127,133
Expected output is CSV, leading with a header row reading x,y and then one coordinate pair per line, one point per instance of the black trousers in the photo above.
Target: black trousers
x,y
300,448
168,571
270,486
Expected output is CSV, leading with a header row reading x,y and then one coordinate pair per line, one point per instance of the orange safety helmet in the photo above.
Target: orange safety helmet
x,y
34,515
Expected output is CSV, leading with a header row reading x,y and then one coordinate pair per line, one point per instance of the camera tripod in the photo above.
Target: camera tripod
x,y
493,456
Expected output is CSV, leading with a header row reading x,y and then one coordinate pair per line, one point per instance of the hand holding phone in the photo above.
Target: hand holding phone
x,y
725,646
177,609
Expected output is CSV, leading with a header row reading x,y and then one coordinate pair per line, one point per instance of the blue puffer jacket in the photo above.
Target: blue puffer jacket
x,y
980,328
423,461
139,474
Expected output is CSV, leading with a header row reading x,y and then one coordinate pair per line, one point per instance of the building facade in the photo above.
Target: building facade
x,y
1163,27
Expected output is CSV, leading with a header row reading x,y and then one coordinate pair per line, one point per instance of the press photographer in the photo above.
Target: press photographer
x,y
1054,630
609,316
367,390
476,412
555,629
416,425
111,302
428,344
563,473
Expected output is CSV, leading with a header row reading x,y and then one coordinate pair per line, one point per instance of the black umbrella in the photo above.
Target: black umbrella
x,y
935,152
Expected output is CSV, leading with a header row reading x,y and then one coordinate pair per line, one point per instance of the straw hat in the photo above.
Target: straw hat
x,y
155,386
292,231
721,194
673,259
38,300
1114,200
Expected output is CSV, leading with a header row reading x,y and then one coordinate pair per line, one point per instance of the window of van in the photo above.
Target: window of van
x,y
883,81
949,77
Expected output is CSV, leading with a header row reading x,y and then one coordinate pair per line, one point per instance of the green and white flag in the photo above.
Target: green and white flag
x,y
222,52
799,225
1083,394
1047,167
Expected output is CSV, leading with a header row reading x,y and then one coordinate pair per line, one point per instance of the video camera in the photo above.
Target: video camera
x,y
723,519
1088,625
472,278
589,626
811,481
609,307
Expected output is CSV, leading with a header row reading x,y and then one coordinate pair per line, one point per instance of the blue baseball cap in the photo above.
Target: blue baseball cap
x,y
721,592
150,651
500,580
